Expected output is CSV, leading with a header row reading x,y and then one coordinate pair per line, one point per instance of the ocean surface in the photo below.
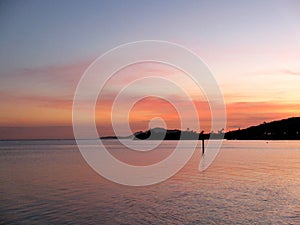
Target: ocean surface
x,y
250,182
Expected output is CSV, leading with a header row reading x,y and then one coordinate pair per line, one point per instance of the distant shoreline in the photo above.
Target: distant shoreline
x,y
286,129
24,140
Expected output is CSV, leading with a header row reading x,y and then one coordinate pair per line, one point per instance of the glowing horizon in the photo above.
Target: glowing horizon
x,y
252,49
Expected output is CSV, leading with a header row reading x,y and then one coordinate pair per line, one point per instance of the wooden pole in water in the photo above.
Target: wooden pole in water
x,y
202,146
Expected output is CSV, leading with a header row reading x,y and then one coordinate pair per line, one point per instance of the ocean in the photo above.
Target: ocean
x,y
250,182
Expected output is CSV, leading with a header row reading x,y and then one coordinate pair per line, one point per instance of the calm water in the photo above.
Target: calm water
x,y
48,182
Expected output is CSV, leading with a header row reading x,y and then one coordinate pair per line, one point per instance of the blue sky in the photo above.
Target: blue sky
x,y
39,33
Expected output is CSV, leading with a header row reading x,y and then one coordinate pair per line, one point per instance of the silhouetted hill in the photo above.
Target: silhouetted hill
x,y
286,129
163,134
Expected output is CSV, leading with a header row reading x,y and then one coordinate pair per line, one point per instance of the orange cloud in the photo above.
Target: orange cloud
x,y
244,114
43,97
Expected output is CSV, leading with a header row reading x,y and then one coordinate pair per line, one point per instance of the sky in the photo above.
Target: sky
x,y
251,47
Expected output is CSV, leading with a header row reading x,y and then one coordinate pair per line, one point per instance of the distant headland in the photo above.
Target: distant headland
x,y
286,129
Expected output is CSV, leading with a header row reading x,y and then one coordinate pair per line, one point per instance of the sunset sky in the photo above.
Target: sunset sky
x,y
251,47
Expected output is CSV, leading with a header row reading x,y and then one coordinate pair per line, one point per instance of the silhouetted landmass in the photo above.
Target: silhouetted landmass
x,y
286,129
163,134
118,137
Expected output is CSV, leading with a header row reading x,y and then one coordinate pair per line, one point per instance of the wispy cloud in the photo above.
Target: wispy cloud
x,y
46,81
290,72
280,71
244,114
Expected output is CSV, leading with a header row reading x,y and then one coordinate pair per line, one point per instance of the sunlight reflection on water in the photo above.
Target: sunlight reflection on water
x,y
249,182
